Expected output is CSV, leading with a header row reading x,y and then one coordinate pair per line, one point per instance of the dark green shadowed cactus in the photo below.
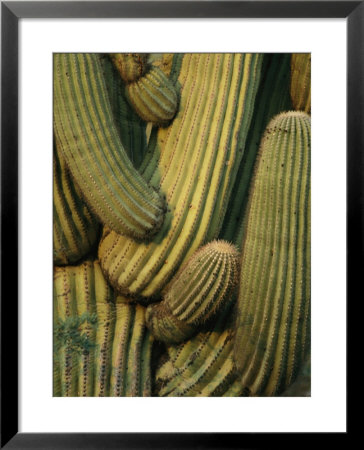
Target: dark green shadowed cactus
x,y
201,288
273,322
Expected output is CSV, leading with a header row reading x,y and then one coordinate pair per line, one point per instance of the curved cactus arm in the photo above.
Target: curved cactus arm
x,y
188,161
131,66
85,133
273,321
153,97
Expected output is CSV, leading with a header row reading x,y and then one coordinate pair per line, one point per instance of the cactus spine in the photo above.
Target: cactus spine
x,y
153,97
75,229
273,326
201,287
192,162
102,346
301,81
85,133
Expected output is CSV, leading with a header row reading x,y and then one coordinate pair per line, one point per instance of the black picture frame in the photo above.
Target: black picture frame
x,y
11,12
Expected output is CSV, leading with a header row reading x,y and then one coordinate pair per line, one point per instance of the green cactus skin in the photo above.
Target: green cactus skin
x,y
272,98
102,346
75,229
201,287
86,134
153,97
301,81
202,366
131,128
191,161
131,66
273,321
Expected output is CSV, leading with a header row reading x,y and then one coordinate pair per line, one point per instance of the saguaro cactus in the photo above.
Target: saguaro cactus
x,y
86,135
193,162
102,346
203,286
273,321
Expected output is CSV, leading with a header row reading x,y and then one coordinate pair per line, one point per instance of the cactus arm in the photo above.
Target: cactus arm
x,y
85,132
268,339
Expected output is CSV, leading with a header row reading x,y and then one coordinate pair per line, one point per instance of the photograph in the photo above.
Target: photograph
x,y
181,224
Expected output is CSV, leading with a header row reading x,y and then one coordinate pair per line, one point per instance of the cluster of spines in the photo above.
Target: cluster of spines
x,y
203,286
86,135
301,81
193,162
273,322
75,229
131,66
102,346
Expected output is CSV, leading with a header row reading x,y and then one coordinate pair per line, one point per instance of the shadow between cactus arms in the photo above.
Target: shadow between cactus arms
x,y
182,224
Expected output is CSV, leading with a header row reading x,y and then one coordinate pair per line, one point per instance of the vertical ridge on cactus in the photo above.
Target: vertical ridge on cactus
x,y
301,81
102,346
75,229
188,161
273,324
85,133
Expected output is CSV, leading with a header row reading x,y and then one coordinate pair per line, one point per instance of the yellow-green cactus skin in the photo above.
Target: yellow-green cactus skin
x,y
75,229
153,97
86,135
273,321
203,286
301,81
101,345
194,162
182,225
131,66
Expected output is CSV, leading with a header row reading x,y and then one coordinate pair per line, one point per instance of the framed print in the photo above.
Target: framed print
x,y
158,264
